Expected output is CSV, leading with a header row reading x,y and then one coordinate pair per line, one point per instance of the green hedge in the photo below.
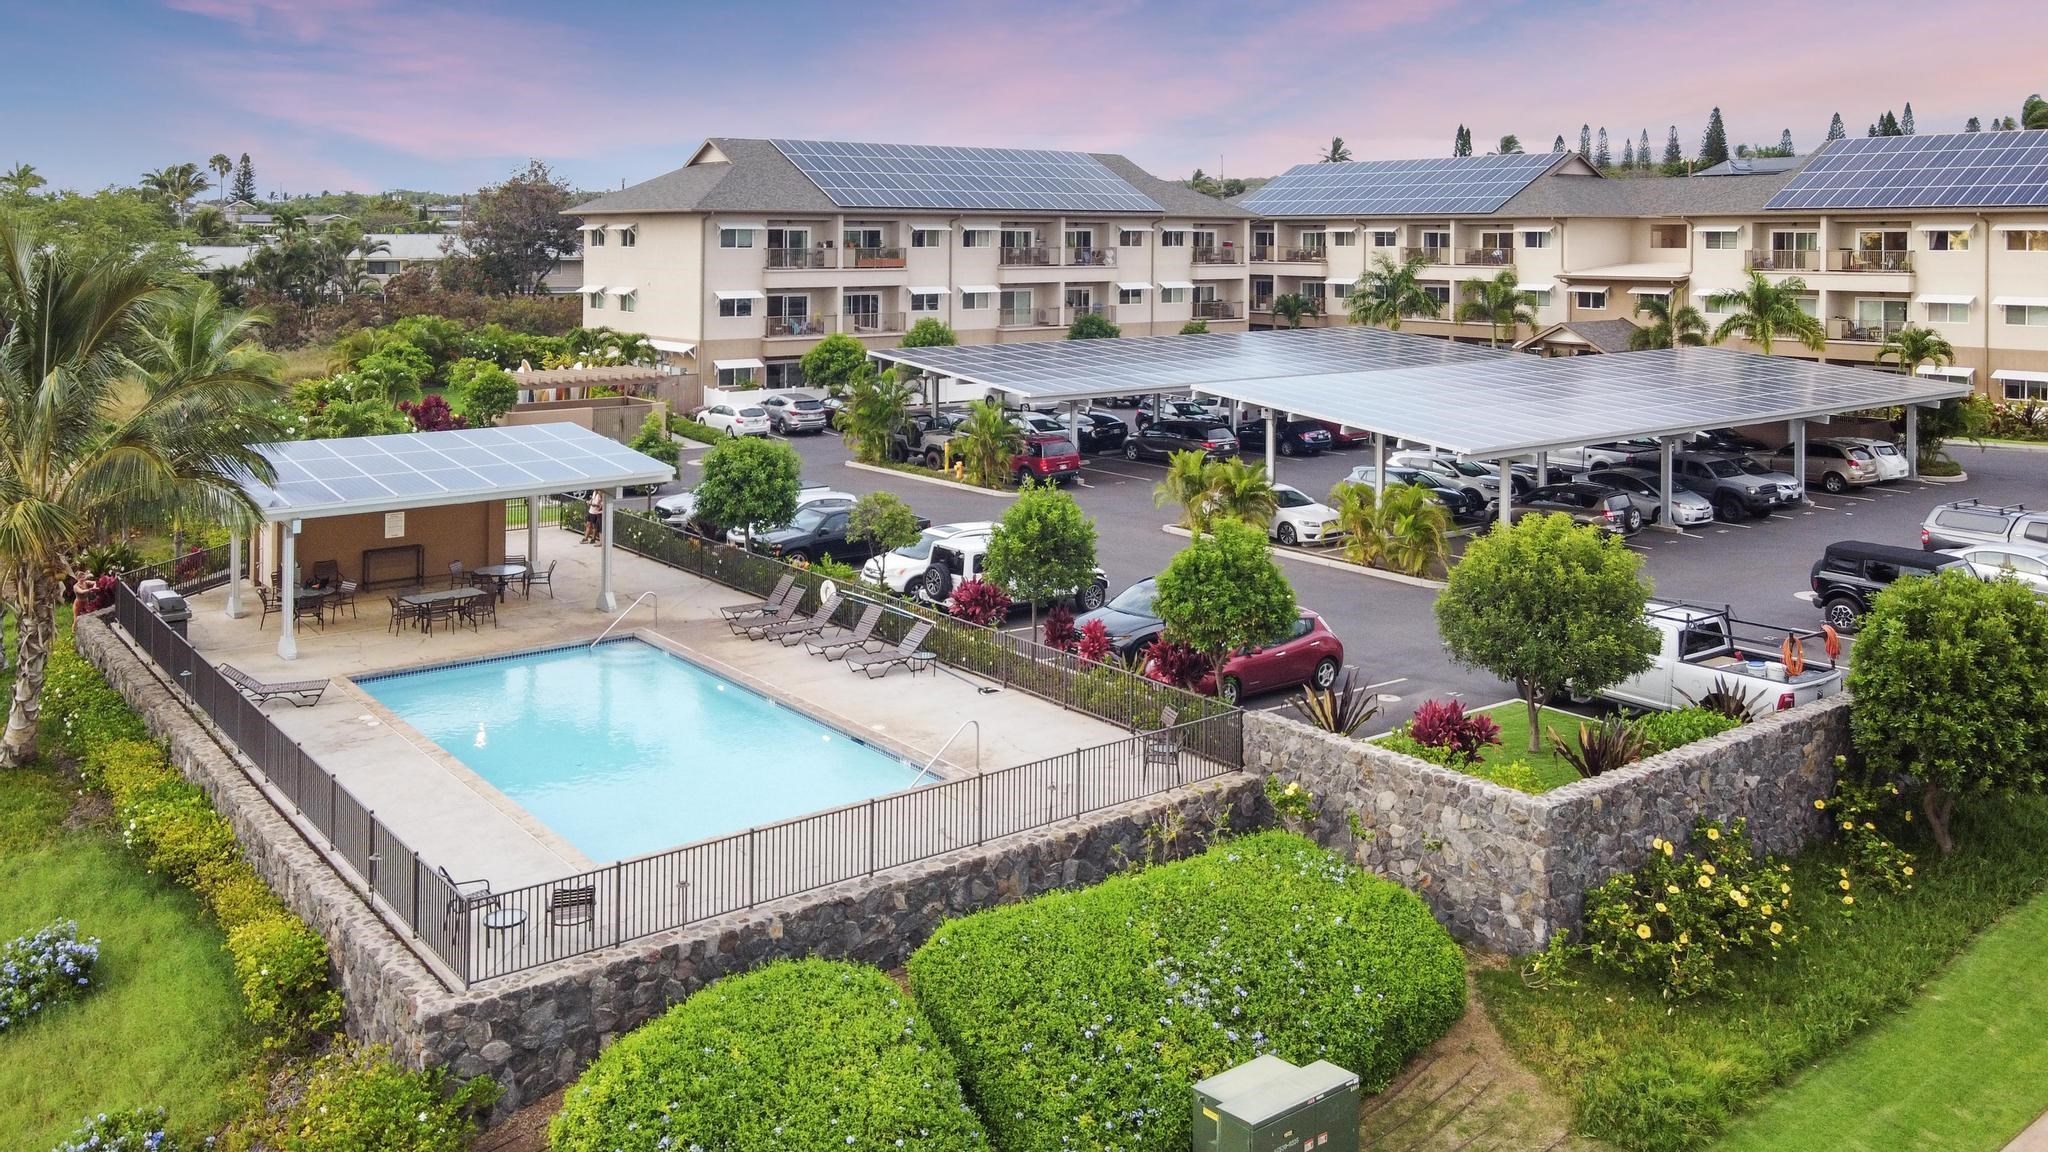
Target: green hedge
x,y
803,1055
1082,1019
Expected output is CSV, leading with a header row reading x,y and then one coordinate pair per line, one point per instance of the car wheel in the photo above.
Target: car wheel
x,y
937,584
1288,536
1326,672
934,460
1728,507
1130,450
1835,483
731,433
1286,448
799,556
1228,690
1656,514
1841,614
1093,596
1635,520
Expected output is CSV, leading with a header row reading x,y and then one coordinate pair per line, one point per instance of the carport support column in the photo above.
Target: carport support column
x,y
1542,469
1666,516
1799,456
1074,424
288,583
1272,440
606,602
235,572
1913,441
1507,489
1379,464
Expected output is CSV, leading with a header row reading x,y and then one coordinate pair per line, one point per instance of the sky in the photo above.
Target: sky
x,y
327,95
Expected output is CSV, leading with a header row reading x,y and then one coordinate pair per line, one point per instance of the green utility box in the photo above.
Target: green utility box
x,y
1270,1105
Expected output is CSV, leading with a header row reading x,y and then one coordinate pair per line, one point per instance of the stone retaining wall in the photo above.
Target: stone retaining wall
x,y
1504,869
534,1031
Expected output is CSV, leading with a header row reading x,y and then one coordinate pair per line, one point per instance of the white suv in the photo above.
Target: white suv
x,y
1297,519
963,557
895,570
735,419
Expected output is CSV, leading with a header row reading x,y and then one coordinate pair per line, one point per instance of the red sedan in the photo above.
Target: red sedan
x,y
1342,437
1309,654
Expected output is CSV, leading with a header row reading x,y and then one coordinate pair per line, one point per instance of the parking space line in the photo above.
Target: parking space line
x,y
1846,496
1113,472
1821,507
1387,683
1780,516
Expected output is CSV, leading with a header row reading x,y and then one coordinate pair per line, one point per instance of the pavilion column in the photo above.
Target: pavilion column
x,y
606,602
1799,456
287,585
1913,441
1272,440
1664,453
235,572
532,532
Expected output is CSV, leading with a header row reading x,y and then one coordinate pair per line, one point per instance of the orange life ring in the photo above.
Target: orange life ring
x,y
1794,654
1831,640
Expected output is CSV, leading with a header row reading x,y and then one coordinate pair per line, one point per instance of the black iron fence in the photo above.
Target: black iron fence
x,y
196,571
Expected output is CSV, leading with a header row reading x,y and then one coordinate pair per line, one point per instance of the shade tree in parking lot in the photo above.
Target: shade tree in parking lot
x,y
1761,312
1948,684
876,405
1673,323
985,443
1404,528
882,521
1547,605
1224,591
1239,491
834,363
930,332
1043,548
1500,303
748,480
1390,292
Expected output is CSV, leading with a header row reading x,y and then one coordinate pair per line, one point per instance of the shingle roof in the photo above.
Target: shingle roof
x,y
1605,335
1755,166
1178,199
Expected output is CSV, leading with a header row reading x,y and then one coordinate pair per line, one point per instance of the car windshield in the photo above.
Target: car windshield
x,y
1723,468
753,413
1136,600
1468,468
1218,436
920,550
808,519
1751,466
1883,449
1858,454
1291,498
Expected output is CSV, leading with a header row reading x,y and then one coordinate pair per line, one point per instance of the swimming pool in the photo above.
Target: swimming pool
x,y
626,749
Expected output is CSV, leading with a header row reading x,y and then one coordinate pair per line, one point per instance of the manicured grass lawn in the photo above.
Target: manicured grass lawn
x,y
1649,1075
1964,1068
1550,768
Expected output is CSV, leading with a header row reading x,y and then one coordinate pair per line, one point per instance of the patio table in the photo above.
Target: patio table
x,y
500,575
421,601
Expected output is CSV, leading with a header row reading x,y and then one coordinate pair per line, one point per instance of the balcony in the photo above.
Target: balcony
x,y
1219,310
1784,260
1842,328
1436,255
1091,257
1259,303
1854,260
1491,257
874,323
872,258
797,327
1028,317
1224,255
1076,311
799,258
1033,256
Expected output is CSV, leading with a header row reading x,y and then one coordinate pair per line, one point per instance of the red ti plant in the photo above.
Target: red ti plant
x,y
1058,630
979,602
1175,663
1093,646
1445,724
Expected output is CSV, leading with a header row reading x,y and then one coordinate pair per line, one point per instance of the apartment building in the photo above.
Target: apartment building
x,y
739,262
1948,232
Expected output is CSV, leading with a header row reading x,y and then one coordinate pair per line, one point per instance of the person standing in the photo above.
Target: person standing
x,y
593,516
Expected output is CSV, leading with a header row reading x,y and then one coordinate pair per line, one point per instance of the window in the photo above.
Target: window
x,y
2031,315
976,238
924,301
1173,295
785,374
736,378
1667,235
863,309
597,237
630,302
1314,241
741,307
927,238
1659,297
973,301
1173,238
1719,241
1497,241
863,238
735,237
594,299
1434,240
1313,292
1948,313
1130,295
2026,389
629,236
1540,238
382,267
1126,238
1080,238
1590,298
1383,239
1951,241
2028,241
1809,305
1441,293
1341,291
1344,239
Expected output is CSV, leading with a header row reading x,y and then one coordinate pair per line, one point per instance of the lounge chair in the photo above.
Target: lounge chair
x,y
861,636
908,652
1160,746
796,630
780,614
302,693
761,607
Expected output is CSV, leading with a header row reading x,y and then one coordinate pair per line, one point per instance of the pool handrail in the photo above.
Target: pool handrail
x,y
620,618
976,725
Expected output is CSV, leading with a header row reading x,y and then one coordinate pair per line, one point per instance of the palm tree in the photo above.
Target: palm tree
x,y
176,185
221,167
1405,528
2034,113
115,395
1763,311
1913,346
1186,484
1389,291
985,443
1293,307
1500,303
1336,153
1673,323
208,223
1235,490
876,404
22,180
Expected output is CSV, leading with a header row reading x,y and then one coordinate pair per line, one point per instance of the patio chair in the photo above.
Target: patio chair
x,y
860,637
779,614
441,610
270,604
572,907
466,897
525,587
908,652
345,598
1160,746
312,604
456,576
544,579
401,613
302,693
796,630
327,573
761,607
478,608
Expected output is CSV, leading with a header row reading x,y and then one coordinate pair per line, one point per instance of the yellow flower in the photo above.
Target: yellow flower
x,y
1707,868
1669,848
1685,937
1909,869
1660,906
1848,825
1706,881
1842,884
1643,930
1657,842
1671,888
1741,901
1785,888
1821,804
1713,833
1869,825
1848,899
1909,815
1776,928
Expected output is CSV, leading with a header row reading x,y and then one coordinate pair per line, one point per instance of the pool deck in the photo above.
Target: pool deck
x,y
453,819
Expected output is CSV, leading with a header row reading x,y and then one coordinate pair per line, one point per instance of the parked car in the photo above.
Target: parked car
x,y
1100,431
1129,620
896,569
735,420
1309,654
1613,454
1046,457
1726,440
1160,439
1586,503
1737,486
2026,563
1469,473
964,557
1174,409
1700,648
789,414
1961,523
1641,486
809,496
1463,503
818,530
1850,574
934,430
1835,465
1293,438
1033,423
1297,519
1891,463
1341,436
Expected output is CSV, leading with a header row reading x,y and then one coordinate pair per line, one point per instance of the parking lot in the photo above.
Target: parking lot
x,y
1758,567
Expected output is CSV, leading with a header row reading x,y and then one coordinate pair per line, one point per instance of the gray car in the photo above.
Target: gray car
x,y
1961,523
1640,485
1737,486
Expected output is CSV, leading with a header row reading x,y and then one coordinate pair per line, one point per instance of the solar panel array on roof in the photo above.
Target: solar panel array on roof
x,y
1454,185
921,176
1961,170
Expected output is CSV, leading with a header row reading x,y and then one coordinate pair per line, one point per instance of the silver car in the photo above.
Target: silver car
x,y
1465,473
1640,486
1891,463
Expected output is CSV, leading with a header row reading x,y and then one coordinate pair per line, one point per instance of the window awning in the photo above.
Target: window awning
x,y
1537,228
591,289
1942,298
1539,287
2019,302
595,227
1340,280
2016,374
622,291
1176,284
931,227
1133,285
1965,227
1641,291
1718,229
1591,291
744,225
1340,227
679,347
977,228
1134,227
731,365
2020,227
1945,373
979,289
931,290
628,227
742,294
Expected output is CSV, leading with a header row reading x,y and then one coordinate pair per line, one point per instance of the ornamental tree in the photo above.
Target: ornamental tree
x,y
653,439
748,480
483,391
1044,547
882,521
1223,592
1547,604
1949,684
834,363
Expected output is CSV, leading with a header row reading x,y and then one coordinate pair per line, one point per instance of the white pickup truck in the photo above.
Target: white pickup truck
x,y
1700,647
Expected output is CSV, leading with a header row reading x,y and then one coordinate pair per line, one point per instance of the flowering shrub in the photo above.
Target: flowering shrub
x,y
1093,644
190,566
133,1131
1083,1018
1058,630
432,414
43,969
979,602
803,1055
1856,810
1664,731
356,1099
1679,918
1445,724
2017,420
1173,662
1293,804
282,967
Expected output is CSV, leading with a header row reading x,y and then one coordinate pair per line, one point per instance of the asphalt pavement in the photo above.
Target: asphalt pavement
x,y
1759,568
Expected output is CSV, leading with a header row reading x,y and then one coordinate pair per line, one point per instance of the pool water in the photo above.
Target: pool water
x,y
625,749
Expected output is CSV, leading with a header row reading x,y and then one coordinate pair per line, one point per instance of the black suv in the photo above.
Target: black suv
x,y
1594,504
819,530
1851,573
1294,437
1162,438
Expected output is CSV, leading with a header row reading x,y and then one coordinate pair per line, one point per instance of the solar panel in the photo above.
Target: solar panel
x,y
1960,170
997,179
1453,185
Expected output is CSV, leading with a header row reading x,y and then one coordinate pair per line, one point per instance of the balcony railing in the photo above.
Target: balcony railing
x,y
1091,257
873,323
1260,304
1076,311
1841,328
1224,255
1784,260
800,258
1032,256
1855,260
1028,317
1264,253
801,325
1219,310
1492,256
1428,255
